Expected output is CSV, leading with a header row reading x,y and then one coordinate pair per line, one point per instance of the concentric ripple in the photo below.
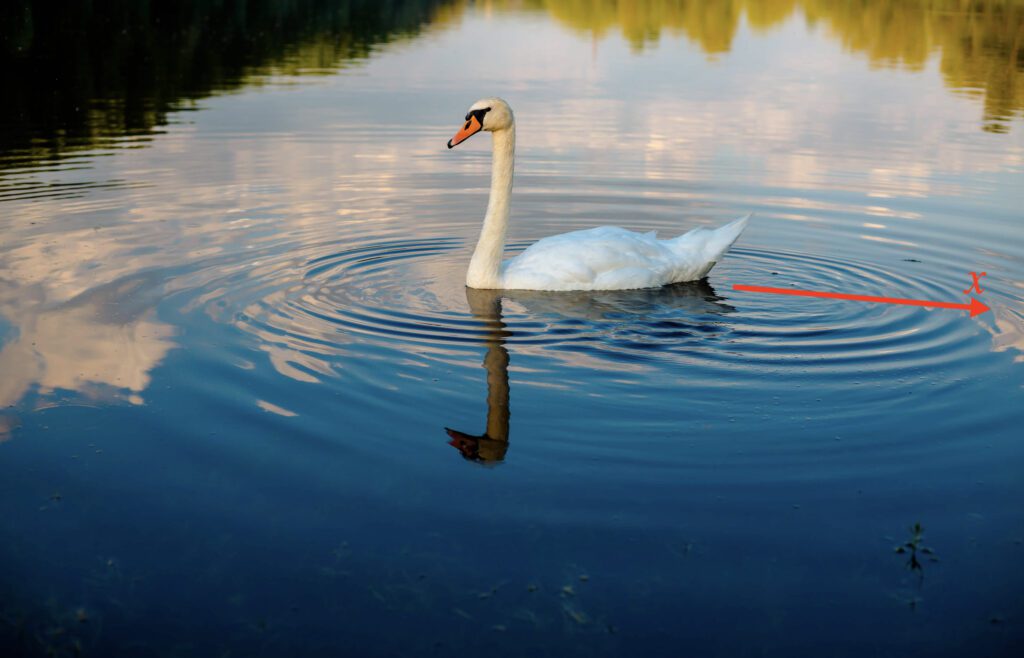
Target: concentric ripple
x,y
843,336
409,295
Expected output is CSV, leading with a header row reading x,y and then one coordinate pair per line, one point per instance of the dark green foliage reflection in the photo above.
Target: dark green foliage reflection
x,y
93,71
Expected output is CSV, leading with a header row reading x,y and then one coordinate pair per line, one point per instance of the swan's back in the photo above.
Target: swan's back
x,y
612,258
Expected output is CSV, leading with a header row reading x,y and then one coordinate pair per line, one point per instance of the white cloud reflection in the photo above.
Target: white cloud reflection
x,y
81,346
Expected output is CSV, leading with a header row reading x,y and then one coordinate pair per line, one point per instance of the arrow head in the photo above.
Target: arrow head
x,y
977,308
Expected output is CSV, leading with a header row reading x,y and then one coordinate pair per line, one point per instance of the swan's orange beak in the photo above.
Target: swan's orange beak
x,y
472,126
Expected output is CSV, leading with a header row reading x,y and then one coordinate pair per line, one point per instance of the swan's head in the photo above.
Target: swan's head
x,y
486,114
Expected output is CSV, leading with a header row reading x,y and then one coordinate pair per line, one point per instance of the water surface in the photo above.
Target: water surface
x,y
247,404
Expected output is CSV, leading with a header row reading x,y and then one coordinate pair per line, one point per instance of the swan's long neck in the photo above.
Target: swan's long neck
x,y
485,266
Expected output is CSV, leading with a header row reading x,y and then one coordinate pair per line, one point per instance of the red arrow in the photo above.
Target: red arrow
x,y
975,307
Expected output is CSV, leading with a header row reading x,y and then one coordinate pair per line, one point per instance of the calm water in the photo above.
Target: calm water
x,y
233,332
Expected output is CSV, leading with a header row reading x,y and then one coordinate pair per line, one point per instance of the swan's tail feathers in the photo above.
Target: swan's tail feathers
x,y
704,247
723,237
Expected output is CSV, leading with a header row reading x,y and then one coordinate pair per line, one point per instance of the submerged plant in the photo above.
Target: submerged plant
x,y
915,547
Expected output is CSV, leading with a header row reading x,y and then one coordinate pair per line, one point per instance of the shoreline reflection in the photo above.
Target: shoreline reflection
x,y
122,70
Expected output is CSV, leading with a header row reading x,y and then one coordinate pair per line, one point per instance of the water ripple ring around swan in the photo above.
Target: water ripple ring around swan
x,y
390,291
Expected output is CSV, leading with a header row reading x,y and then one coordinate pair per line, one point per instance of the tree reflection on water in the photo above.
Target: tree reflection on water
x,y
980,44
93,72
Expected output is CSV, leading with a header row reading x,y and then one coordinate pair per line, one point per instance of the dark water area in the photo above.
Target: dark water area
x,y
249,407
93,72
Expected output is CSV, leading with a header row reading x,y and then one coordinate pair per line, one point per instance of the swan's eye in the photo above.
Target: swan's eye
x,y
479,114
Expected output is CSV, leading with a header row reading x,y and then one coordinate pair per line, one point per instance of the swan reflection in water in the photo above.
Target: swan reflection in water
x,y
598,309
489,447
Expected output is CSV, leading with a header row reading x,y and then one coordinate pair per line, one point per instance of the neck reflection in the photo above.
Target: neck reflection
x,y
489,447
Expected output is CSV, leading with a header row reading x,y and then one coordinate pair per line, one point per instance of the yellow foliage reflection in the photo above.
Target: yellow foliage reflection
x,y
978,42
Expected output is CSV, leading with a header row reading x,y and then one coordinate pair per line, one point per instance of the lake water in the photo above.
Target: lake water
x,y
234,331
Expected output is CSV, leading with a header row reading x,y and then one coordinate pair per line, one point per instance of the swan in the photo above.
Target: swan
x,y
605,258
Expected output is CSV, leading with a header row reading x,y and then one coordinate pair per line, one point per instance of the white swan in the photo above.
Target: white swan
x,y
606,258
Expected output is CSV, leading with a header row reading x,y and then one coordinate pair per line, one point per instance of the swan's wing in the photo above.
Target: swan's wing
x,y
606,258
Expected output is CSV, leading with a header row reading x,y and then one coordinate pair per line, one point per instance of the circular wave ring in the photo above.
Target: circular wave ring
x,y
410,292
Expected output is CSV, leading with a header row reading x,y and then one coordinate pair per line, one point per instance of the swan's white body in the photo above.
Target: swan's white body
x,y
612,258
606,258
